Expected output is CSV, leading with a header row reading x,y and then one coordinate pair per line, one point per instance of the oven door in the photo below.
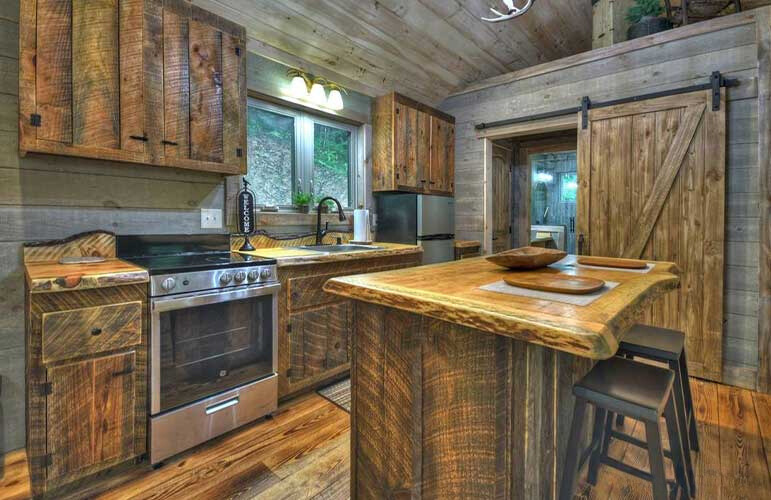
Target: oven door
x,y
205,343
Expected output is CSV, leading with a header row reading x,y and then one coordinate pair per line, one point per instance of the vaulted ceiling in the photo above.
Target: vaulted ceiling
x,y
425,49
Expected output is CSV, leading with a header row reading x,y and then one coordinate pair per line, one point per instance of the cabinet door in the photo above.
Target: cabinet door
x,y
442,176
204,102
319,340
411,148
90,414
83,93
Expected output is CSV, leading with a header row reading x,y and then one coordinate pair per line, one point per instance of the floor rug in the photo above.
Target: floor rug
x,y
339,393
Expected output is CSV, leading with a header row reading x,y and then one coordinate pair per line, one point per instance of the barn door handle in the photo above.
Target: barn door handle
x,y
581,241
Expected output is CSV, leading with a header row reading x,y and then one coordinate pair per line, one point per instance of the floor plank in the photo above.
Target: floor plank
x,y
303,452
742,461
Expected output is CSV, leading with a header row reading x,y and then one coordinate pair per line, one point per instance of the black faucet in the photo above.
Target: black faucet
x,y
340,211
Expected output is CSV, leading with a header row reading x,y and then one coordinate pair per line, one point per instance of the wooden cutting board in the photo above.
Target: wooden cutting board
x,y
613,262
557,283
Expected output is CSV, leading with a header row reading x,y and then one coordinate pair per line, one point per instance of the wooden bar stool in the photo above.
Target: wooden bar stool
x,y
665,346
636,390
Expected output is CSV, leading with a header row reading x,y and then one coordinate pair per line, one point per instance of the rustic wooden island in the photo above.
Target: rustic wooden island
x,y
460,392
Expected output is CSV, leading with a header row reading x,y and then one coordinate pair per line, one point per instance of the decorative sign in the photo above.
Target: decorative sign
x,y
246,215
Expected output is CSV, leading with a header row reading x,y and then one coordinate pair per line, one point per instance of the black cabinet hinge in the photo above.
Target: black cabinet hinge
x,y
46,460
239,152
46,388
35,119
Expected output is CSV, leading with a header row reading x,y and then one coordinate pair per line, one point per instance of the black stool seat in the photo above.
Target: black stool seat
x,y
653,342
625,386
620,386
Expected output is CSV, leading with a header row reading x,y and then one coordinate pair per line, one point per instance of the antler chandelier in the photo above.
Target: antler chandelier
x,y
512,12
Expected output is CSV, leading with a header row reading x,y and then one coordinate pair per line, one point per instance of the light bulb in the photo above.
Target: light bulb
x,y
335,100
318,96
298,88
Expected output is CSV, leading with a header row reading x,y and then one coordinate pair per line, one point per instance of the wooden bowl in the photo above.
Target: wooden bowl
x,y
527,257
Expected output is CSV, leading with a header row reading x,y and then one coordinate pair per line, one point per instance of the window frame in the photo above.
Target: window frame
x,y
304,129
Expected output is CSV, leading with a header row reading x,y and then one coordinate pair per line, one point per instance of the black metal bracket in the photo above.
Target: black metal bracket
x,y
586,105
717,81
35,119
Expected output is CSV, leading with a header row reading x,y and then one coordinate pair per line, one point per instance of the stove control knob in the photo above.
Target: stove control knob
x,y
168,284
266,273
254,275
240,276
226,278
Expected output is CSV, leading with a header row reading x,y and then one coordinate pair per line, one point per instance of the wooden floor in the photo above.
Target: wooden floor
x,y
304,453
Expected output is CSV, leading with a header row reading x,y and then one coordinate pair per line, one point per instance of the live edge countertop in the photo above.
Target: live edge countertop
x,y
54,277
450,292
289,256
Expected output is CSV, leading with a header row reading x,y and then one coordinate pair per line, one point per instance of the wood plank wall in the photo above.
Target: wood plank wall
x,y
728,46
44,197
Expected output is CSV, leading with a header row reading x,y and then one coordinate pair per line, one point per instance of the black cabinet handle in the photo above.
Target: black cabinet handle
x,y
432,182
127,371
138,138
96,331
170,143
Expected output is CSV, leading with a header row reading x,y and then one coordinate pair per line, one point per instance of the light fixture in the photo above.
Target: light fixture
x,y
313,90
318,95
298,88
335,100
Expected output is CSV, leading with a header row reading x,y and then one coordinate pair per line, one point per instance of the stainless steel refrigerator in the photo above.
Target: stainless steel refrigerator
x,y
417,219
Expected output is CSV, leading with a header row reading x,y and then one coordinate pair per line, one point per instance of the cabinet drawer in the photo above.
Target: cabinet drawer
x,y
90,330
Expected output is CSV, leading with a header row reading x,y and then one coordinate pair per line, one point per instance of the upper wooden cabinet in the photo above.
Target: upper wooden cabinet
x,y
144,81
413,147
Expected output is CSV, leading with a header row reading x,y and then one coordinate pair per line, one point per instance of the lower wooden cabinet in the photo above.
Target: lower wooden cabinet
x,y
86,405
314,326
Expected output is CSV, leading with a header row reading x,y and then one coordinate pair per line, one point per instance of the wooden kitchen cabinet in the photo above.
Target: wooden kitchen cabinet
x,y
86,382
143,81
314,327
413,147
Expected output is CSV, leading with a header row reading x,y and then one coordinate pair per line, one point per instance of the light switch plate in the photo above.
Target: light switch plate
x,y
211,218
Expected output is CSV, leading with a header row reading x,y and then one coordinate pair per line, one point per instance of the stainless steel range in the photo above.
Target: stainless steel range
x,y
213,337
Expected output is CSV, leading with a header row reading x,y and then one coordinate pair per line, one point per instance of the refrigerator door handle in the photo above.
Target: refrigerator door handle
x,y
436,237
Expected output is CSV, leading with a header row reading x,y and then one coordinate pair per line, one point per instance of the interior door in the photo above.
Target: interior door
x,y
652,186
502,166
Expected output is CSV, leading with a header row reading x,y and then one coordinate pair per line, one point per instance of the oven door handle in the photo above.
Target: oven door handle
x,y
201,299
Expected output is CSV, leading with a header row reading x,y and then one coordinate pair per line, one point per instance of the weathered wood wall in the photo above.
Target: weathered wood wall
x,y
664,61
44,197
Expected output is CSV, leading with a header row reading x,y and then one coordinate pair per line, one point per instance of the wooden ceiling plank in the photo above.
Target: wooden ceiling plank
x,y
513,54
375,40
419,17
262,34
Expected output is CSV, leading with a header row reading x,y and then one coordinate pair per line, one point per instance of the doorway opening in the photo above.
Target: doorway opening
x,y
535,192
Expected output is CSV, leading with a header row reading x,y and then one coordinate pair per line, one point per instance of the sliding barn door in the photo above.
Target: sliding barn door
x,y
652,186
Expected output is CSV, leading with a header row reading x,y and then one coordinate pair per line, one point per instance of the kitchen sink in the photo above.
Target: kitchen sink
x,y
340,248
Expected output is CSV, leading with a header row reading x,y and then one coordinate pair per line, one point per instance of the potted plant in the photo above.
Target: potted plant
x,y
302,201
645,16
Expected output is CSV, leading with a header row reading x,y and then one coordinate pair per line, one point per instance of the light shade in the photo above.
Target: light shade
x,y
298,88
318,96
335,100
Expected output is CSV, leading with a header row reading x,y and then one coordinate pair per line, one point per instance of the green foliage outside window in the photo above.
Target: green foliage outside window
x,y
643,8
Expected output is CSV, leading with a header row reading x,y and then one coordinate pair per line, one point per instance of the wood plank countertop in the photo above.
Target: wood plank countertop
x,y
291,256
467,243
450,292
54,277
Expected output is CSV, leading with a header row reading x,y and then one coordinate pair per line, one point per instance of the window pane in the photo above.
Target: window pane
x,y
271,160
332,163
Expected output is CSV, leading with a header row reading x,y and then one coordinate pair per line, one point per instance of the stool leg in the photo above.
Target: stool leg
x,y
677,442
608,430
600,416
620,417
656,458
570,470
690,416
682,423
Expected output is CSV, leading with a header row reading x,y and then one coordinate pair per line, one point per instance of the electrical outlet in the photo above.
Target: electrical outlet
x,y
211,218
